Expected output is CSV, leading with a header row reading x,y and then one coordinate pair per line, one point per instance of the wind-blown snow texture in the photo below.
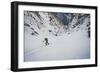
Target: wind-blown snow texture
x,y
68,36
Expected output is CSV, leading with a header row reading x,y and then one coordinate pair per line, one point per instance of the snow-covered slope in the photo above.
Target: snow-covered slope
x,y
68,36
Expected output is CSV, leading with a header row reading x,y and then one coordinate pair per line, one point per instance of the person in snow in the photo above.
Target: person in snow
x,y
46,41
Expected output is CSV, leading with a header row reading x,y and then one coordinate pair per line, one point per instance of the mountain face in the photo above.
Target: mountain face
x,y
56,24
56,36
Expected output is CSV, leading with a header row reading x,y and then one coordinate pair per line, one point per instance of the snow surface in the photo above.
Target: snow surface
x,y
75,45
